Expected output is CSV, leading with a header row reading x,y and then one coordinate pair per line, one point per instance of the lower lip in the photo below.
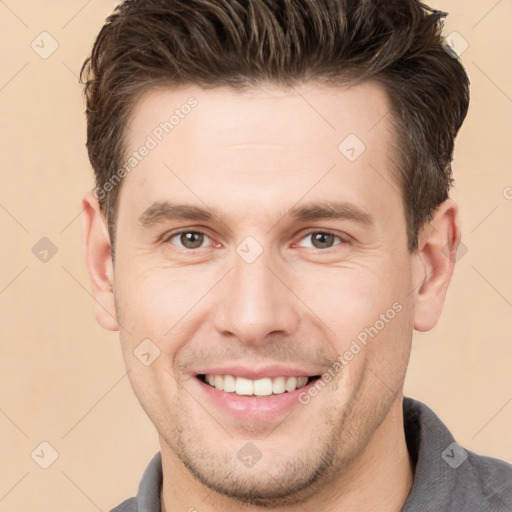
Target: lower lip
x,y
252,407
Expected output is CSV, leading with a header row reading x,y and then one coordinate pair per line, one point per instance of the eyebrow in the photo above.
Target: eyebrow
x,y
165,210
334,210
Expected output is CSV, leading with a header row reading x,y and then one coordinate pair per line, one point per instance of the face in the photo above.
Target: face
x,y
251,243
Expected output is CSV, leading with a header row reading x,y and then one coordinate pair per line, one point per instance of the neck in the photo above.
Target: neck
x,y
378,480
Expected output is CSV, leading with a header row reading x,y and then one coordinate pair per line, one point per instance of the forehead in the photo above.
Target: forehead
x,y
266,145
269,115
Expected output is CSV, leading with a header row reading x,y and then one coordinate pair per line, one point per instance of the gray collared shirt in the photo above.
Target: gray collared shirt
x,y
447,477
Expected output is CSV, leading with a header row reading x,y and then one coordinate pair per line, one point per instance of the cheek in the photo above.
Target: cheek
x,y
367,315
152,300
348,300
149,303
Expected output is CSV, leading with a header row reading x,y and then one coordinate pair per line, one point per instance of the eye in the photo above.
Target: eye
x,y
321,239
188,239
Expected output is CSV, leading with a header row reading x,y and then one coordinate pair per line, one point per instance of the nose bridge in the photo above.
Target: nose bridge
x,y
255,302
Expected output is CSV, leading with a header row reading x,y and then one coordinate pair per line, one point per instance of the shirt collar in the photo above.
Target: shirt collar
x,y
427,440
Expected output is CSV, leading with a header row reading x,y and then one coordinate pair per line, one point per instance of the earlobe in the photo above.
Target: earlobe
x,y
434,264
96,246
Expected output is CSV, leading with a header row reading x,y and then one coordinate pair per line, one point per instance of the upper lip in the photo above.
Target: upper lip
x,y
257,373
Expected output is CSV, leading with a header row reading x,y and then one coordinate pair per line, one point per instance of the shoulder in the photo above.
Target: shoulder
x,y
148,493
447,476
129,505
488,478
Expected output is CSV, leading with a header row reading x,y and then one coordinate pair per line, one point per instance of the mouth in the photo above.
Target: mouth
x,y
259,388
257,396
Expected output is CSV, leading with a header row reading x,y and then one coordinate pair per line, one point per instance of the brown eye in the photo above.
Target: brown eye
x,y
321,239
188,239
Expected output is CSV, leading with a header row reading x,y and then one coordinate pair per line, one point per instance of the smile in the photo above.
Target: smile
x,y
259,387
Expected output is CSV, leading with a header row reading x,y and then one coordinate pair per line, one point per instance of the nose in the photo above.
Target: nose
x,y
255,302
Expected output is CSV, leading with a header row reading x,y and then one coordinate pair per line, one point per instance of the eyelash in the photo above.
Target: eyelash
x,y
343,241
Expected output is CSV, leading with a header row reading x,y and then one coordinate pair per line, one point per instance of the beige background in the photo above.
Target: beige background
x,y
62,377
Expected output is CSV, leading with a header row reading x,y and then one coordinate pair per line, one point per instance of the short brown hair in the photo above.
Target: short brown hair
x,y
241,43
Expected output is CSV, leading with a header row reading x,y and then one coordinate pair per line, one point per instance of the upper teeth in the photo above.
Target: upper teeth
x,y
259,387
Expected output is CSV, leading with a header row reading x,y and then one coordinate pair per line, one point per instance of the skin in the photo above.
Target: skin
x,y
251,157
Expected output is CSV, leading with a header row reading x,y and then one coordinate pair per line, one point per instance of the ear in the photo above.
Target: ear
x,y
96,246
434,263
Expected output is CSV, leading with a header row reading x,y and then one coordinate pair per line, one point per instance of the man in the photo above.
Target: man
x,y
270,223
